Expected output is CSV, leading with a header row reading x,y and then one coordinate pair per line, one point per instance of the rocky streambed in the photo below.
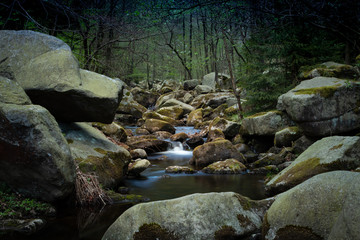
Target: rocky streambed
x,y
59,122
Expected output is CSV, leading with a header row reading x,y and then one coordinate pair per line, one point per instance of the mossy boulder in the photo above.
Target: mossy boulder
x,y
331,69
35,157
174,112
228,166
113,130
154,125
94,153
179,169
195,117
156,115
327,154
323,106
181,137
196,216
46,69
229,128
286,136
217,150
324,207
138,166
11,92
149,143
174,102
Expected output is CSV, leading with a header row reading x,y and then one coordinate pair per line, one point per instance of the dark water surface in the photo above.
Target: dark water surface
x,y
154,184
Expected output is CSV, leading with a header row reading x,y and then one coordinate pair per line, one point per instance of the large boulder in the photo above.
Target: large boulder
x,y
217,150
148,143
323,106
94,153
229,128
154,125
34,155
331,69
327,154
213,100
324,207
175,112
198,216
173,102
223,81
11,92
265,123
158,116
49,73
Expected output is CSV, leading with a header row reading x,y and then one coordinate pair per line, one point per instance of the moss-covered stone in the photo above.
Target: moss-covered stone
x,y
228,166
153,231
195,117
327,154
325,92
174,112
154,125
156,115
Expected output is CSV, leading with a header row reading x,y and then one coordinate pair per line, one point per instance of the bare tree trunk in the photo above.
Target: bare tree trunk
x,y
190,43
184,43
236,93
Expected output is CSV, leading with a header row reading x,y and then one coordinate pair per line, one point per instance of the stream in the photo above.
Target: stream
x,y
155,184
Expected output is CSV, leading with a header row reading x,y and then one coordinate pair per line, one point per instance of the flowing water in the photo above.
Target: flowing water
x,y
154,184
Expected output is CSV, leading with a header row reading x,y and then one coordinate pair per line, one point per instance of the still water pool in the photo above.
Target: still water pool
x,y
155,184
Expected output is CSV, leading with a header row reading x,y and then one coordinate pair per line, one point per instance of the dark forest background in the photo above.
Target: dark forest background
x,y
266,43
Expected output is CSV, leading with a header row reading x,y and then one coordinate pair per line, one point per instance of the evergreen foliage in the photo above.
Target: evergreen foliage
x,y
274,57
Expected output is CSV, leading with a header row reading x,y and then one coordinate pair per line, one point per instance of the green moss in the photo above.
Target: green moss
x,y
336,147
325,92
153,231
225,233
302,171
263,113
100,150
244,202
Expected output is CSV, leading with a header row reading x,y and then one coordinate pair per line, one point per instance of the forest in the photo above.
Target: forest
x,y
179,119
157,40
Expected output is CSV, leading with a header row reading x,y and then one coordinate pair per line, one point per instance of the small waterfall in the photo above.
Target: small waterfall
x,y
176,147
